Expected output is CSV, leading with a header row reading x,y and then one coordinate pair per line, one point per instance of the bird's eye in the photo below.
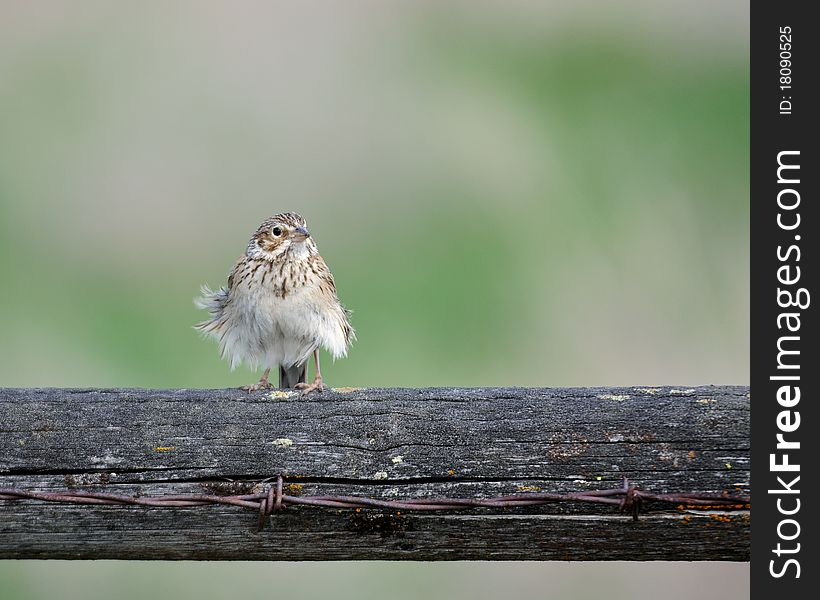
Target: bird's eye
x,y
277,231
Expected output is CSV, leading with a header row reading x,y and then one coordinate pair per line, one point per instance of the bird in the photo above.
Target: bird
x,y
280,307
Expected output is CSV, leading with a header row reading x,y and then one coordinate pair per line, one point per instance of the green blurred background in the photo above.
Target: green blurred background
x,y
508,193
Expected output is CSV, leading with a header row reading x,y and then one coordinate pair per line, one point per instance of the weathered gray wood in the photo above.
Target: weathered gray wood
x,y
385,443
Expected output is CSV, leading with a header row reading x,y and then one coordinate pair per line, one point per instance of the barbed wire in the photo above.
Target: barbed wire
x,y
628,498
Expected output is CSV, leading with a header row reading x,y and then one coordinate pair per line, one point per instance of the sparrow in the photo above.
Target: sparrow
x,y
279,307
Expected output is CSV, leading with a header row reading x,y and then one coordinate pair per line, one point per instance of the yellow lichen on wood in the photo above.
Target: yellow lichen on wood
x,y
721,518
616,397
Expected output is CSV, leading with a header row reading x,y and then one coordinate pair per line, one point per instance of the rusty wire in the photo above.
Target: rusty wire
x,y
628,498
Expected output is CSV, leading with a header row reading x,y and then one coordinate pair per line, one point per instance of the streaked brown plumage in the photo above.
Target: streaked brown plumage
x,y
280,306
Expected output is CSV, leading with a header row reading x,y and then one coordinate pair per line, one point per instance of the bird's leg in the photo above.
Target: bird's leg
x,y
317,385
263,383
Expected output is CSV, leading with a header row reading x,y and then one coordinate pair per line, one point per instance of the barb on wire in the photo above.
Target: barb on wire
x,y
629,499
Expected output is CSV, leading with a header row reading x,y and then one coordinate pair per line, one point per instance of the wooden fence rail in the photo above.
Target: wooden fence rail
x,y
389,444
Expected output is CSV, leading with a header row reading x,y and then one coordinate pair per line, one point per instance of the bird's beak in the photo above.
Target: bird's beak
x,y
302,231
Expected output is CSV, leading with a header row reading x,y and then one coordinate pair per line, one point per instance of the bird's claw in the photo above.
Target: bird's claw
x,y
255,387
307,388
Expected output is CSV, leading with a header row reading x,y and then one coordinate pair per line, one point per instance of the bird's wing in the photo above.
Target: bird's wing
x,y
236,267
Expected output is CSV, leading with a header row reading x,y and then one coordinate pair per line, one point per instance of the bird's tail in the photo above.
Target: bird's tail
x,y
214,302
289,377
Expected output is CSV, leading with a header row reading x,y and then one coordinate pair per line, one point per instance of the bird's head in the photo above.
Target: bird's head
x,y
282,236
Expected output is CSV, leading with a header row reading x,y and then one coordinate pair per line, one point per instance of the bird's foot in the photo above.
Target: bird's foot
x,y
259,385
307,388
